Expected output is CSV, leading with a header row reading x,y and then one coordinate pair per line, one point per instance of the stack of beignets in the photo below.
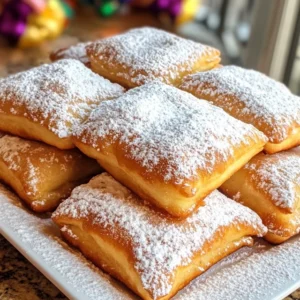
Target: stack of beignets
x,y
167,146
268,183
171,149
44,104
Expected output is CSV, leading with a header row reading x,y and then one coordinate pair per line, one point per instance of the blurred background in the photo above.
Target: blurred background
x,y
258,34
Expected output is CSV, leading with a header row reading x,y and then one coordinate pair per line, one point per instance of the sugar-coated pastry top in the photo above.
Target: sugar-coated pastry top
x,y
278,176
77,52
28,158
255,95
168,132
57,95
150,54
151,236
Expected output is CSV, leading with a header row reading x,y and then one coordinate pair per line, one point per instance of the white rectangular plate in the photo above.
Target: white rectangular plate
x,y
259,273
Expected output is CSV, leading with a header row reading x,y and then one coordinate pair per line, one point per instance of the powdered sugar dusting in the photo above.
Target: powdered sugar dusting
x,y
57,96
29,161
150,54
264,274
77,52
259,99
10,150
70,232
239,276
69,268
153,236
278,175
163,126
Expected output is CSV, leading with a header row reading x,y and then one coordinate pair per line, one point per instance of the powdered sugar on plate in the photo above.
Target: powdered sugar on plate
x,y
153,236
57,96
240,276
257,99
277,175
163,126
150,54
263,274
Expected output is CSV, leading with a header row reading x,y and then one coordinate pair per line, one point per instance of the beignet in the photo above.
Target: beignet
x,y
146,54
153,255
45,103
42,175
253,98
166,145
270,185
77,52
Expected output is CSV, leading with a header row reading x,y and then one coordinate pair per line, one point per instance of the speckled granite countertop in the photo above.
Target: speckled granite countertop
x,y
19,279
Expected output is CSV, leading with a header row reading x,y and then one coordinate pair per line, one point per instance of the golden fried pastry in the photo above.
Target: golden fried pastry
x,y
77,52
167,146
253,98
153,255
45,103
42,175
270,185
145,54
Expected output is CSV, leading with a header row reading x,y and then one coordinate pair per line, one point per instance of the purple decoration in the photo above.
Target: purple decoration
x,y
171,7
13,20
163,4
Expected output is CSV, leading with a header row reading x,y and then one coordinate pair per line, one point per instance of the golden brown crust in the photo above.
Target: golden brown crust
x,y
167,149
116,72
26,128
57,54
278,145
269,185
178,201
252,98
146,54
46,102
100,249
291,141
40,174
132,242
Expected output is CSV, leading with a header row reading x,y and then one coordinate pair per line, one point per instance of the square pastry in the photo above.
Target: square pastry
x,y
44,103
42,175
253,98
145,54
270,185
166,145
153,255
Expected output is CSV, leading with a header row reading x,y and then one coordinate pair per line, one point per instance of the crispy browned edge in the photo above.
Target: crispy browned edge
x,y
101,246
119,73
178,201
53,185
